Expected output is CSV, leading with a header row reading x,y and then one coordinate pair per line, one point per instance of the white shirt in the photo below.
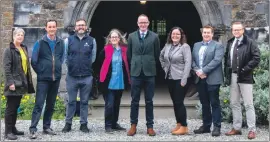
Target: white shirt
x,y
202,52
143,33
232,48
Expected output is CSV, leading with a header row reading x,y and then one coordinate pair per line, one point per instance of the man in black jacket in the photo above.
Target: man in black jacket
x,y
47,59
241,57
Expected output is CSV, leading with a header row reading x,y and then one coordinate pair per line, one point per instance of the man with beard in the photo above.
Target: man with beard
x,y
80,53
47,58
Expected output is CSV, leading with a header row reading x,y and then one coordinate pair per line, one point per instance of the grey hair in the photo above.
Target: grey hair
x,y
18,30
122,41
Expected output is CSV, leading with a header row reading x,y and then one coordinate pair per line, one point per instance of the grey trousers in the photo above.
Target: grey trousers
x,y
245,90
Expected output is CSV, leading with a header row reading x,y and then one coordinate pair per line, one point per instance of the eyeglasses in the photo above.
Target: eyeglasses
x,y
143,22
114,37
237,30
82,25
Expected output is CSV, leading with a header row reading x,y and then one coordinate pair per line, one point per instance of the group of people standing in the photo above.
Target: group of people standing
x,y
130,63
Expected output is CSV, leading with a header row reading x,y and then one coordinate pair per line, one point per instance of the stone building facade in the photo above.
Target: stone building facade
x,y
32,15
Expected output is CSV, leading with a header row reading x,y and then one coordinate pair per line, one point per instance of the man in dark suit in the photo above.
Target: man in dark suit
x,y
143,55
207,63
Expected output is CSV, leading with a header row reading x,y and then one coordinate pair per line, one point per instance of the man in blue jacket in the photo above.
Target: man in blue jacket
x,y
80,53
207,64
47,58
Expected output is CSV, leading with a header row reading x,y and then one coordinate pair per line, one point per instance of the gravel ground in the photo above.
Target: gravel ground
x,y
161,126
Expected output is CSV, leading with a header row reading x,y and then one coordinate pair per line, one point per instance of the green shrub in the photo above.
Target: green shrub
x,y
27,105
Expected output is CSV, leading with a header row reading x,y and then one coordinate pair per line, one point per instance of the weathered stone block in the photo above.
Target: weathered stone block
x,y
261,23
227,14
249,23
49,5
240,15
57,14
248,6
8,14
61,5
260,8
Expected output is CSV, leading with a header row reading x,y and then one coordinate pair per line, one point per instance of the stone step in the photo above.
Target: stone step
x,y
161,99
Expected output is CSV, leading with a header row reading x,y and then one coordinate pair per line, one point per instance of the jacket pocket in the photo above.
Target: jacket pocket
x,y
17,80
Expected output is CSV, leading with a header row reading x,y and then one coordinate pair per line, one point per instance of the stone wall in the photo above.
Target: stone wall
x,y
32,15
254,13
6,24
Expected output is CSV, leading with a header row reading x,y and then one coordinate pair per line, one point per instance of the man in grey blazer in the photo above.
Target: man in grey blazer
x,y
143,55
207,63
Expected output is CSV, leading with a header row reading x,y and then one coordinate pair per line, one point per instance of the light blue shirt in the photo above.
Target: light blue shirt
x,y
52,43
117,79
144,34
201,53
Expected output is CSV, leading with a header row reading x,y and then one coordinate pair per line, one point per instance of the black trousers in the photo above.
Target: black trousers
x,y
112,106
12,105
177,93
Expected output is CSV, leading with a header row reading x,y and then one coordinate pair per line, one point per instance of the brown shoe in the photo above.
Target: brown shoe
x,y
233,132
132,130
178,125
151,132
182,131
251,135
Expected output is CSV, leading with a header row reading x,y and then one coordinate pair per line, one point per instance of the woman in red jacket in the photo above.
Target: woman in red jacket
x,y
114,77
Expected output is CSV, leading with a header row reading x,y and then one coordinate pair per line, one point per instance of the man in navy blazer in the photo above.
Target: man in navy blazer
x,y
207,63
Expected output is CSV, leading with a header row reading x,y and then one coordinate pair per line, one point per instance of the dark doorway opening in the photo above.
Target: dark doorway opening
x,y
162,16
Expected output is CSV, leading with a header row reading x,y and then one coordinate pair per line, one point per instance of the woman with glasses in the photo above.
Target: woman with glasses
x,y
176,61
114,77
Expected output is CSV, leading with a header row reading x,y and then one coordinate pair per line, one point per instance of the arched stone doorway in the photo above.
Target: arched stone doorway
x,y
103,16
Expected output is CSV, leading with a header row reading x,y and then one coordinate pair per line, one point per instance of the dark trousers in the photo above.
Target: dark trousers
x,y
177,93
12,105
209,95
112,104
46,90
148,83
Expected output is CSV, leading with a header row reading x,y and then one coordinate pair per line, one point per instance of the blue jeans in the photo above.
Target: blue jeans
x,y
112,104
46,90
209,95
83,85
148,83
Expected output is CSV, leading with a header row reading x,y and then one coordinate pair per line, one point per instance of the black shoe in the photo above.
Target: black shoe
x,y
109,130
216,132
201,130
49,131
67,128
84,128
118,128
11,136
33,135
16,132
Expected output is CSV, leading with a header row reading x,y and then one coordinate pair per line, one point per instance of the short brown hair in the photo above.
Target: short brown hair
x,y
238,23
80,19
143,15
208,27
51,20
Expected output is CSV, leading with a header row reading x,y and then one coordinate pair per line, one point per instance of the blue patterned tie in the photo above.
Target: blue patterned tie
x,y
142,36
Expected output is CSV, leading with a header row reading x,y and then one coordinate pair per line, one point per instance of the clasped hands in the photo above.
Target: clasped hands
x,y
200,74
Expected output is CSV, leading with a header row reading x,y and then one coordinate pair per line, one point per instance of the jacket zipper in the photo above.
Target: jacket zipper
x,y
53,76
53,63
